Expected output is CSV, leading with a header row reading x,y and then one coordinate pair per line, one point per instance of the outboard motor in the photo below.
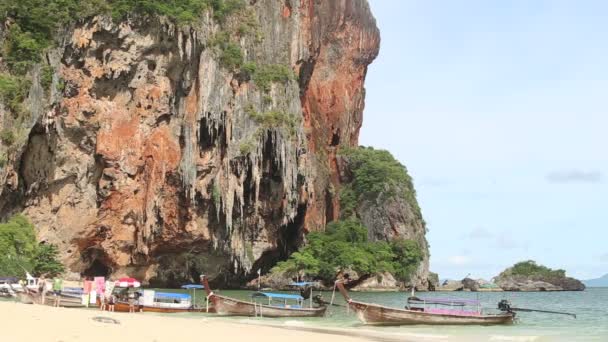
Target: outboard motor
x,y
504,305
306,291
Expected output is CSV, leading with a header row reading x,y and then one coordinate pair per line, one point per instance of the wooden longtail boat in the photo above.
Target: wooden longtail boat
x,y
381,315
124,307
49,299
227,306
160,302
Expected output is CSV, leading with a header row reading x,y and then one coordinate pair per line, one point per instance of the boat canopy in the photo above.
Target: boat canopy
x,y
9,280
192,286
277,295
168,295
448,301
303,283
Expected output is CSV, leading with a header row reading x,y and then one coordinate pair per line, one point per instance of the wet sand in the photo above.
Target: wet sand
x,y
23,322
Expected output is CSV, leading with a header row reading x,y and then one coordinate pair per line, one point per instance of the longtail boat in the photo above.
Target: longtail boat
x,y
227,306
160,302
50,299
375,314
121,306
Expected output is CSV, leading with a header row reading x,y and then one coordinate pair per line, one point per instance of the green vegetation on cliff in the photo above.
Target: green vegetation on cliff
x,y
33,24
21,252
13,90
376,174
273,119
265,75
344,247
182,11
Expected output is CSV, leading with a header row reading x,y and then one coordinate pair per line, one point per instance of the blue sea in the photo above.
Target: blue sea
x,y
590,306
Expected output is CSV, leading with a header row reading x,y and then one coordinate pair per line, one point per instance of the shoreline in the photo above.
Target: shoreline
x,y
29,322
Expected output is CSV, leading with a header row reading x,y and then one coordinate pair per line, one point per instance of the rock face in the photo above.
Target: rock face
x,y
393,217
530,276
533,284
149,163
380,282
468,284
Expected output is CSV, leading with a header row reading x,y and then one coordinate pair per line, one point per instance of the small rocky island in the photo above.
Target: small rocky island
x,y
530,276
525,276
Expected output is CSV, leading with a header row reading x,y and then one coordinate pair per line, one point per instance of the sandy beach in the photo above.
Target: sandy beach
x,y
22,322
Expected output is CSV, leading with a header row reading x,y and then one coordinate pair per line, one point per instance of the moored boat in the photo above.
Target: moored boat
x,y
152,300
234,307
375,314
168,302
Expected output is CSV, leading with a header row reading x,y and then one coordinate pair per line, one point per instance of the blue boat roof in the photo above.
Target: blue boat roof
x,y
9,280
192,286
303,283
169,295
66,288
277,295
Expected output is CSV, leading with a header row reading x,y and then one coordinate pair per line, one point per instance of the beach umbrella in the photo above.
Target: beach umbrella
x,y
127,282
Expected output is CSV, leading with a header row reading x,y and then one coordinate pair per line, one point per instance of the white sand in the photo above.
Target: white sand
x,y
22,322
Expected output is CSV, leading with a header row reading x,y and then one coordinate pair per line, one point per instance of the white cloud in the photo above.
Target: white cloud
x,y
505,241
480,233
574,176
459,260
500,240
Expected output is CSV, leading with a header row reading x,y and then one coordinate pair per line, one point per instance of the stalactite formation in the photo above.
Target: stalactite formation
x,y
159,153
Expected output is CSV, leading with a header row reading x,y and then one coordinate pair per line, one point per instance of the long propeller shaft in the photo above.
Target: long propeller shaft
x,y
543,311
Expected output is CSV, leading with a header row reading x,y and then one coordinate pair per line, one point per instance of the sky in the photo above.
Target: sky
x,y
499,111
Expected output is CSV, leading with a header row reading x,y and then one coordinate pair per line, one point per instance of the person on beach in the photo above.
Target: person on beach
x,y
57,288
42,289
131,302
111,302
102,301
139,301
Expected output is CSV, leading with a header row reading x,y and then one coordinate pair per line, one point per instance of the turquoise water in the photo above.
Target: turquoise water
x,y
590,306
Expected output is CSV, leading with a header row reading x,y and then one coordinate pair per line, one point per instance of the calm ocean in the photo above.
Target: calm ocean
x,y
590,306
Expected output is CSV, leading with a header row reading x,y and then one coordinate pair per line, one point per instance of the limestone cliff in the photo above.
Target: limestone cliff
x,y
153,156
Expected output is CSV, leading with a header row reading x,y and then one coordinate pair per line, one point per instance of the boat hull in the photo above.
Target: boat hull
x,y
50,300
64,302
124,307
380,315
226,306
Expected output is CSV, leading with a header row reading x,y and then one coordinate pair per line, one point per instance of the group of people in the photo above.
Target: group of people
x,y
57,287
130,297
107,303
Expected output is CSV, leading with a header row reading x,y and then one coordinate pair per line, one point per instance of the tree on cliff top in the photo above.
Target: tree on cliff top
x,y
19,250
376,174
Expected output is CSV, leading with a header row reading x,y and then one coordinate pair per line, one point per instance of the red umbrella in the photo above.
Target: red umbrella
x,y
127,282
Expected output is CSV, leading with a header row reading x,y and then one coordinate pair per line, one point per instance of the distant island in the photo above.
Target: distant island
x,y
530,276
524,276
599,282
